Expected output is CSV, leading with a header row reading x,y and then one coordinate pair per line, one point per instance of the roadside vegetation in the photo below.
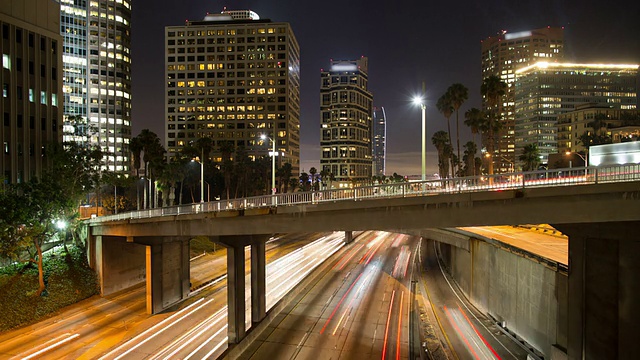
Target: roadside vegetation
x,y
67,277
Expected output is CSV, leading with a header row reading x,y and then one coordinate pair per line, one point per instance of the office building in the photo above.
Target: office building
x,y
234,77
502,55
379,147
31,78
604,120
346,122
545,90
97,77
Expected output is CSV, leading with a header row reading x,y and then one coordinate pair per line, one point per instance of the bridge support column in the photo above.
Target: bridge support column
x,y
236,282
235,293
348,237
258,281
167,268
604,290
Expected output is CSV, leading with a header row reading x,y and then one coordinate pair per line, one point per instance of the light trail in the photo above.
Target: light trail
x,y
478,333
198,330
399,326
206,342
187,312
339,303
56,343
464,338
386,330
353,253
349,306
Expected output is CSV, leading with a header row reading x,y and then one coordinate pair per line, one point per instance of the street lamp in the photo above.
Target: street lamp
x,y
201,162
418,100
584,159
273,163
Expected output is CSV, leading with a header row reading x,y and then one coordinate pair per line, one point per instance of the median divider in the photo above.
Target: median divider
x,y
236,350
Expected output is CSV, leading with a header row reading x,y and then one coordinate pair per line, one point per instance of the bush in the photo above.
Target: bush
x,y
200,244
68,280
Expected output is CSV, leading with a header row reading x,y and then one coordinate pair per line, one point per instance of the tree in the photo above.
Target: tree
x,y
473,119
530,157
304,182
445,107
284,177
492,89
469,158
458,94
312,174
135,146
153,155
440,140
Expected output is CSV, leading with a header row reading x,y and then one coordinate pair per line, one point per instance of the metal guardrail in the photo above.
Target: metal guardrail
x,y
521,180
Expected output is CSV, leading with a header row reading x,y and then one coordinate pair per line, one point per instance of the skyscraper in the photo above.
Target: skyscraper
x,y
346,121
97,77
545,90
233,77
502,55
379,148
31,78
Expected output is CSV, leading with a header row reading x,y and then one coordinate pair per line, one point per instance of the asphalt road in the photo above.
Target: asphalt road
x,y
96,326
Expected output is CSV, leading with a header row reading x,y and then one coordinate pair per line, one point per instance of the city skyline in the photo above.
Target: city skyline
x,y
451,34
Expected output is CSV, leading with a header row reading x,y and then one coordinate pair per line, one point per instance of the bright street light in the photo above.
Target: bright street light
x,y
273,163
418,100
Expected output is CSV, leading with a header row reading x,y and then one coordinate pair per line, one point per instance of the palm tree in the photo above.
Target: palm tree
x,y
470,150
441,141
492,89
458,94
446,108
304,181
312,173
530,157
153,155
473,120
284,177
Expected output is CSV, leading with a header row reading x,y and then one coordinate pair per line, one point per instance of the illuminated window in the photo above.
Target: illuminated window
x,y
6,61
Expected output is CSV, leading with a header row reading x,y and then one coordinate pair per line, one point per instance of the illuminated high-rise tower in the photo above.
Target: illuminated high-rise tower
x,y
233,77
345,120
97,77
502,55
379,147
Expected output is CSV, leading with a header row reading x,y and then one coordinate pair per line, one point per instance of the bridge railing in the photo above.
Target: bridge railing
x,y
521,180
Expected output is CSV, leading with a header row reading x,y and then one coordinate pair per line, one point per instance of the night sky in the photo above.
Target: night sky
x,y
407,42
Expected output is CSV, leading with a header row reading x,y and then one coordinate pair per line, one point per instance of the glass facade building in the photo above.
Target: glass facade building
x,y
346,112
97,77
233,77
379,141
502,56
545,90
31,78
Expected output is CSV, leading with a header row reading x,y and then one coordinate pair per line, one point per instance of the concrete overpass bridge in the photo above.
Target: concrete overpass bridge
x,y
598,208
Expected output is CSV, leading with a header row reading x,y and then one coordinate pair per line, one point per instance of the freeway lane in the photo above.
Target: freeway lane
x,y
357,310
90,328
466,330
199,329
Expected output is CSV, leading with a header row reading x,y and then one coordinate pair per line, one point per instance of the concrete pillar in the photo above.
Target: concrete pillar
x,y
154,278
348,237
236,294
91,249
167,273
258,280
604,260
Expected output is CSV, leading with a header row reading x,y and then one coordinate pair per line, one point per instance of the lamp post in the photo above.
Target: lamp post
x,y
584,159
273,163
418,100
201,162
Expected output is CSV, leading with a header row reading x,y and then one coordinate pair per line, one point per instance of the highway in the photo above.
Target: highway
x,y
464,332
118,326
357,310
